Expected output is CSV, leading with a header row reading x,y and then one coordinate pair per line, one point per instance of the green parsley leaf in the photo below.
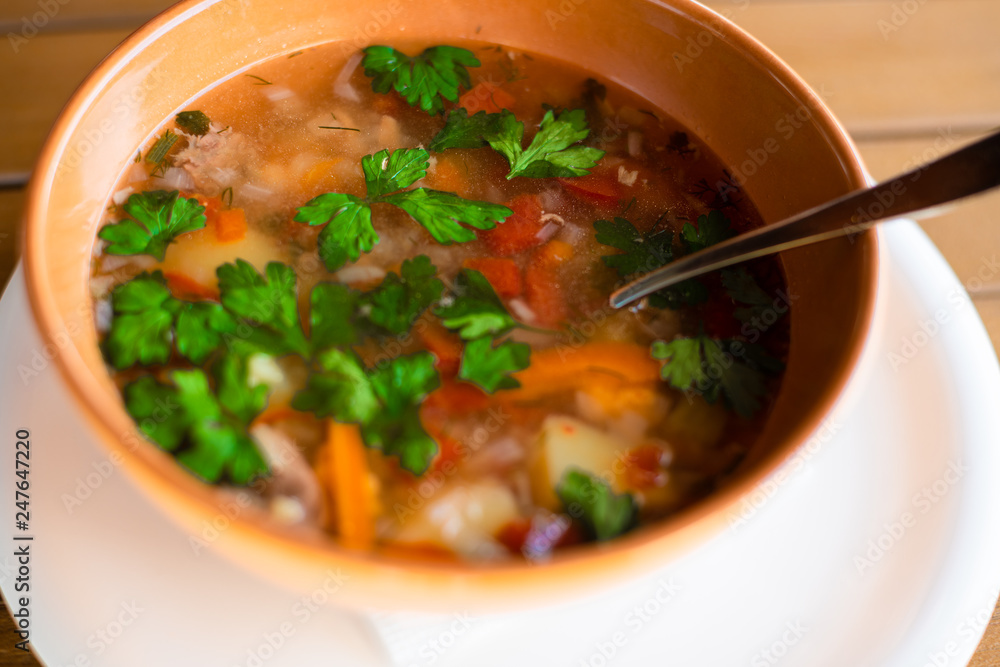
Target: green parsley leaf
x,y
476,309
147,321
235,394
551,152
592,501
641,253
401,385
713,368
350,231
268,305
490,366
399,300
194,122
340,388
158,218
712,228
331,315
188,419
444,213
425,80
742,288
464,131
386,173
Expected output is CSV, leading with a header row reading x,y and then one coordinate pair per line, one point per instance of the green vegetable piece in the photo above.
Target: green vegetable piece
x,y
743,288
341,389
201,329
141,328
158,218
349,232
387,172
188,419
591,500
476,309
714,368
712,228
640,253
424,81
552,152
194,122
464,131
267,305
331,315
158,153
443,214
399,300
234,390
490,366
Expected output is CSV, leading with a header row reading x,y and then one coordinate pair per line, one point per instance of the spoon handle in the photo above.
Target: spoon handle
x,y
965,172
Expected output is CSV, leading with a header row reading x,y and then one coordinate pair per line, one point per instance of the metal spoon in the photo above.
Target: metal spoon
x,y
918,193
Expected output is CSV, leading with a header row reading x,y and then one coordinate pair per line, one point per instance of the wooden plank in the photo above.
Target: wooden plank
x,y
10,656
11,202
883,71
39,79
967,235
25,18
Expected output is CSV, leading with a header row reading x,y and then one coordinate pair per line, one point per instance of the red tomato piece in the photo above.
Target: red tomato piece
x,y
519,232
503,274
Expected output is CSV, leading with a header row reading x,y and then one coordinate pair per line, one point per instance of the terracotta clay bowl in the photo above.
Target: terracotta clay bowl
x,y
777,137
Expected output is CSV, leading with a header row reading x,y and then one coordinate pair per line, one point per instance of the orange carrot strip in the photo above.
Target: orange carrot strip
x,y
354,502
565,368
183,286
542,286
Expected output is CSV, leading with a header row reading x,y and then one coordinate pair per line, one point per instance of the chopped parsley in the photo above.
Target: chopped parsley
x,y
158,217
715,368
424,81
711,229
206,430
157,155
591,501
743,288
266,304
554,151
397,303
476,310
194,122
489,366
348,218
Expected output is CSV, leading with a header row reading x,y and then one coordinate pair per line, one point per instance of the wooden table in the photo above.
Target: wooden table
x,y
909,79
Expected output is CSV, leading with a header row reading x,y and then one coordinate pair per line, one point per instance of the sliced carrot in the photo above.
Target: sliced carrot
x,y
231,226
349,478
564,368
599,187
448,176
487,97
445,345
457,398
519,232
514,533
185,287
542,285
503,274
212,207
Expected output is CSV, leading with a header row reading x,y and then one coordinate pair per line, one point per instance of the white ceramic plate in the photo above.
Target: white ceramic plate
x,y
878,547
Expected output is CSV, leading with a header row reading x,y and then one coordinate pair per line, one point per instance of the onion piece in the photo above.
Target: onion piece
x,y
548,231
121,196
522,310
635,143
360,274
341,85
277,93
176,178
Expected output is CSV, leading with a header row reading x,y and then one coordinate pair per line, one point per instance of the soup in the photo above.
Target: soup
x,y
372,289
